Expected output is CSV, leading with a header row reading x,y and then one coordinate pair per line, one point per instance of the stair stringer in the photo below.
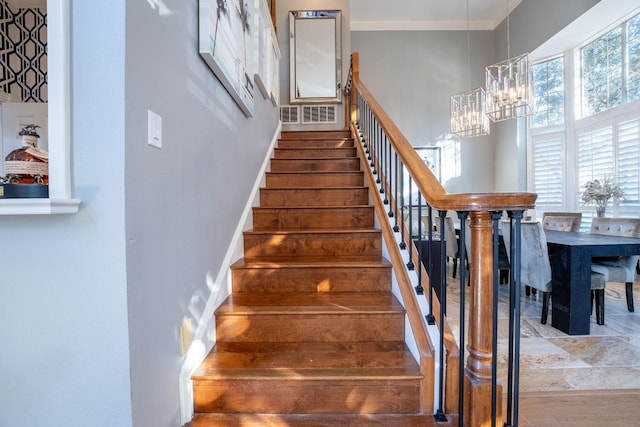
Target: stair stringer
x,y
419,337
204,337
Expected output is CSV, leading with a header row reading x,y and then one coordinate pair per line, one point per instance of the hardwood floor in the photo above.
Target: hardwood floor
x,y
595,408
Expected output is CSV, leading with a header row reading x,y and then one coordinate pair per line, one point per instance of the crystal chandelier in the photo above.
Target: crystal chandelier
x,y
468,114
509,86
468,109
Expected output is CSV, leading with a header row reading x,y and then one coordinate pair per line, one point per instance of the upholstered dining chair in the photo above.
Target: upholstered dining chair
x,y
453,249
503,260
535,268
562,221
617,269
414,226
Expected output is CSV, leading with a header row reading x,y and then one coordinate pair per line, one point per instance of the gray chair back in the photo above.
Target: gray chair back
x,y
535,269
627,227
562,221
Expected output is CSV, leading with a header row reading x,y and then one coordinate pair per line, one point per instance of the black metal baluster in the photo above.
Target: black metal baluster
x,y
514,321
373,147
419,287
410,265
403,244
439,416
462,216
495,216
431,319
377,153
395,193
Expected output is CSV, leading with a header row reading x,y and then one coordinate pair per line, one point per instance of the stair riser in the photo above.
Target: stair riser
x,y
308,153
298,219
312,327
308,396
292,245
315,143
315,165
314,180
275,197
301,279
331,134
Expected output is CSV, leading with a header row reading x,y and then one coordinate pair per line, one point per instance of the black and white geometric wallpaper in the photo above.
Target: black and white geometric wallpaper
x,y
23,53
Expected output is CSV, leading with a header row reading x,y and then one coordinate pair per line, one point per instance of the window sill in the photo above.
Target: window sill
x,y
39,206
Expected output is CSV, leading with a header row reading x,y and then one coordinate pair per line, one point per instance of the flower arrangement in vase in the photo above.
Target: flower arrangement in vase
x,y
601,193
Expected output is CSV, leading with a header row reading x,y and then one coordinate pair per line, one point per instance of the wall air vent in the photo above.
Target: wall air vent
x,y
290,114
318,114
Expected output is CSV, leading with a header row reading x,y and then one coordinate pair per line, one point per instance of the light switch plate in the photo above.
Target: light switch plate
x,y
154,129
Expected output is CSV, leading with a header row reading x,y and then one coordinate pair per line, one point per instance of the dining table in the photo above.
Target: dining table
x,y
570,254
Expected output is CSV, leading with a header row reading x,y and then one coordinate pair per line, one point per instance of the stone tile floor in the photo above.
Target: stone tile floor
x,y
608,358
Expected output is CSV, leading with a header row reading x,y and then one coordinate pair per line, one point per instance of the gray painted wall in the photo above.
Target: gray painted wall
x,y
182,202
413,74
90,304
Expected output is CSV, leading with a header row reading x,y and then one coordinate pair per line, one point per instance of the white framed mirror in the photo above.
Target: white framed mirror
x,y
315,57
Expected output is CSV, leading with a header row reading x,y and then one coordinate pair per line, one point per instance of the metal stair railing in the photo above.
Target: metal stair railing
x,y
475,397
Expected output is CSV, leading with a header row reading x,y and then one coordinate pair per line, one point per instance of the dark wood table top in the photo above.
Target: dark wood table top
x,y
599,244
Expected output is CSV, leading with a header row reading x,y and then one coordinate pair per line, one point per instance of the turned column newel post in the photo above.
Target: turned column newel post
x,y
477,381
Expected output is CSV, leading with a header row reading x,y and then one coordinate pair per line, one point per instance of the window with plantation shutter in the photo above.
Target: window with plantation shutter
x,y
628,172
548,167
612,151
593,130
595,160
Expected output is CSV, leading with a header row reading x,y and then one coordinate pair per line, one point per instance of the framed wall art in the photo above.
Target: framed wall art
x,y
226,38
274,68
262,47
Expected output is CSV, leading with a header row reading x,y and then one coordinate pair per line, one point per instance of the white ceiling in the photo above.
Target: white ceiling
x,y
428,14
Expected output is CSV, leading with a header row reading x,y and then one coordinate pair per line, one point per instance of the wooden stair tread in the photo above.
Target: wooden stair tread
x,y
320,173
315,231
312,263
364,358
316,134
318,420
305,207
303,188
309,374
310,303
314,152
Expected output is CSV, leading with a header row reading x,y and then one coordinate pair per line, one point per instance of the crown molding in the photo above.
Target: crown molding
x,y
421,26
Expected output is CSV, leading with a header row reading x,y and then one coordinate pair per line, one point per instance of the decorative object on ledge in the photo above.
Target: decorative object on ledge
x,y
23,191
468,109
27,164
509,86
601,193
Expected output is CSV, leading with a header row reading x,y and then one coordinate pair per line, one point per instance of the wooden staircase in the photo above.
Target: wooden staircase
x,y
311,334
